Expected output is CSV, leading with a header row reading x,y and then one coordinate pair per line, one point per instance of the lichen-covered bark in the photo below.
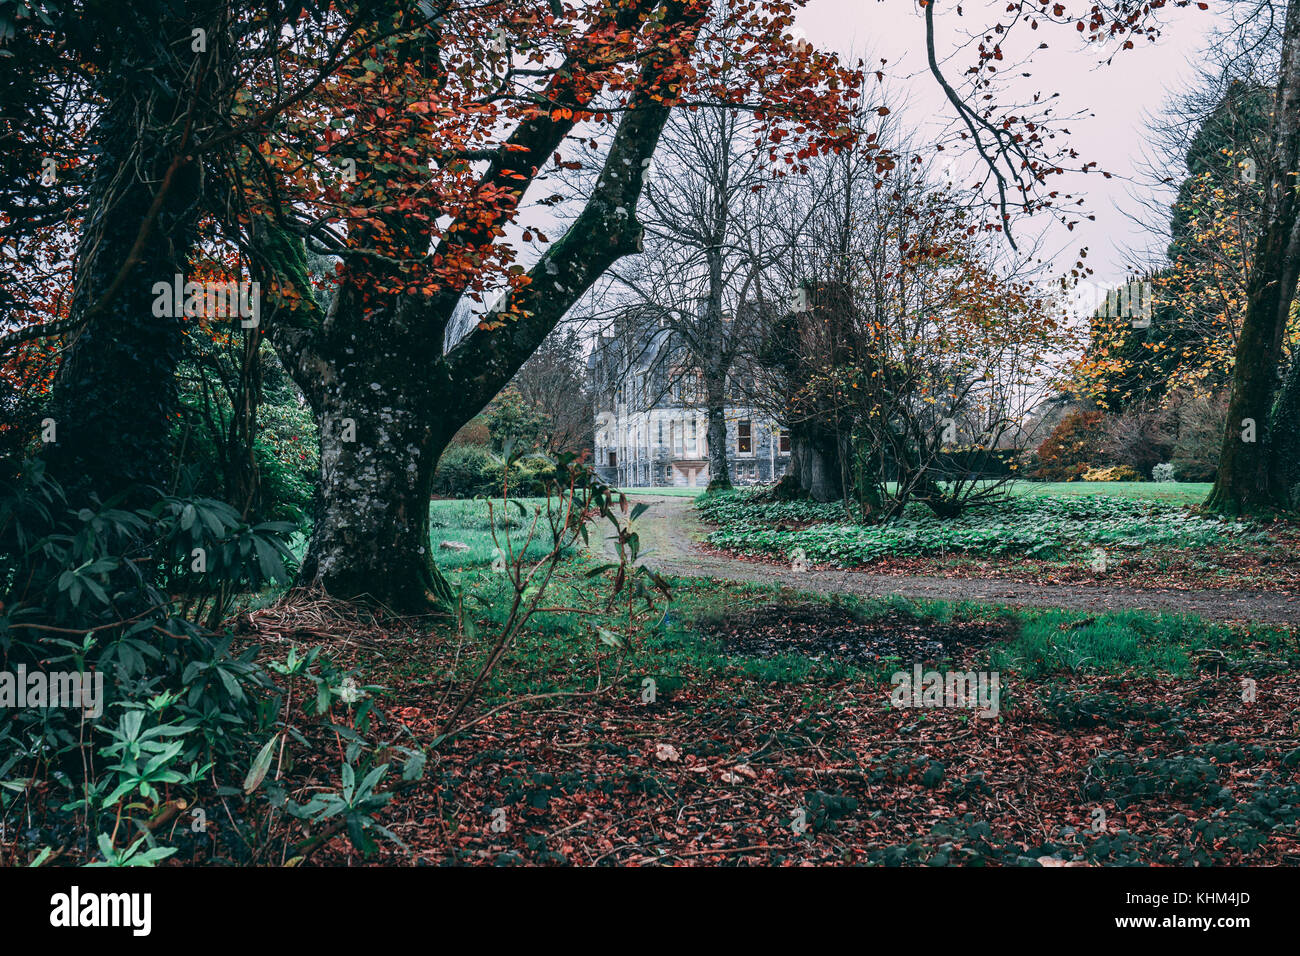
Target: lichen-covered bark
x,y
378,446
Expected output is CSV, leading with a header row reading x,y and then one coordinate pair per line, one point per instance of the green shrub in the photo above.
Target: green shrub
x,y
466,471
284,445
118,595
530,476
104,590
461,471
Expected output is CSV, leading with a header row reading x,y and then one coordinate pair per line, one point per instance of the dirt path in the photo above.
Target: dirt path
x,y
670,532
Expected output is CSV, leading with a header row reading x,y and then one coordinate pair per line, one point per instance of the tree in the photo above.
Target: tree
x,y
929,354
1073,447
1250,475
818,231
800,348
554,382
132,130
139,213
709,232
512,421
448,121
1184,333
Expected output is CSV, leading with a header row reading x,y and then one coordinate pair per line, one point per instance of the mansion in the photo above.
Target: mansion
x,y
651,428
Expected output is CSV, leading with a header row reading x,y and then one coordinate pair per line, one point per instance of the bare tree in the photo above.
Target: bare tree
x,y
706,217
554,382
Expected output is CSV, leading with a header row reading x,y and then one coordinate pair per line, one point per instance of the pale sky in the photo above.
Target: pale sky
x,y
1136,84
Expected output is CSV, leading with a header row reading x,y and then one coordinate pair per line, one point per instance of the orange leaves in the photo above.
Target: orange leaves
x,y
442,152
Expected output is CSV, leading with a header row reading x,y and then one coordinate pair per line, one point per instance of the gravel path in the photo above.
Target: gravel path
x,y
670,531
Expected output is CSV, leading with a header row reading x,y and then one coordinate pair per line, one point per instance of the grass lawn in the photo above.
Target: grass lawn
x,y
1185,493
467,521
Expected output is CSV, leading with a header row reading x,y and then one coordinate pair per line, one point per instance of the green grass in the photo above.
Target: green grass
x,y
467,521
1185,493
1044,645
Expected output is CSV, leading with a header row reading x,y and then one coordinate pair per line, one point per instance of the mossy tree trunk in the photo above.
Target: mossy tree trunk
x,y
1250,475
115,395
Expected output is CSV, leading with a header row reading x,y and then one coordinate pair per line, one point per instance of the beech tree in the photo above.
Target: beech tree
x,y
446,121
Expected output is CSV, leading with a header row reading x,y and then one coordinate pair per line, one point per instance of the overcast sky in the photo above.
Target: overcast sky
x,y
1119,96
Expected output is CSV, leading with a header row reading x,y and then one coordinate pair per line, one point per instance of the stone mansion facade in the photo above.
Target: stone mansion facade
x,y
651,428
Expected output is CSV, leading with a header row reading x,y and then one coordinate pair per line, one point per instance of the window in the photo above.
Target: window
x,y
784,441
744,438
693,445
613,459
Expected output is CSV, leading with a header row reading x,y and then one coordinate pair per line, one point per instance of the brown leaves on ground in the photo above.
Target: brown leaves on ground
x,y
733,770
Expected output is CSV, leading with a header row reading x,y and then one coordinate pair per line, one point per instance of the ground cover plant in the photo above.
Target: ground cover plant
x,y
1039,531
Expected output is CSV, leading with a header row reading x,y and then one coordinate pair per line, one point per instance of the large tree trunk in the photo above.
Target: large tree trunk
x,y
1249,478
115,396
378,451
383,421
815,465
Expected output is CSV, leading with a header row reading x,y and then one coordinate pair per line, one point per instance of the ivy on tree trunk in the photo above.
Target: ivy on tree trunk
x,y
115,395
